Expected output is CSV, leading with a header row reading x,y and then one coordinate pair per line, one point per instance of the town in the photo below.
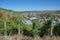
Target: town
x,y
29,19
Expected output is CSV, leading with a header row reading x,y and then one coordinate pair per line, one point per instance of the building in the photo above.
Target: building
x,y
33,18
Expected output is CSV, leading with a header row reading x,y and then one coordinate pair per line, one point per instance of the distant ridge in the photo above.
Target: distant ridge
x,y
45,11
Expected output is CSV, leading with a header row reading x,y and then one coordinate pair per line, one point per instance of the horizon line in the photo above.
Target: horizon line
x,y
31,10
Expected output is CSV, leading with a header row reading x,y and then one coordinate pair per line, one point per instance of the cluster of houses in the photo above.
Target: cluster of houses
x,y
41,20
54,21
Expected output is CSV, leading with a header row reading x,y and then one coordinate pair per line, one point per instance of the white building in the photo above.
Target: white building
x,y
32,18
56,21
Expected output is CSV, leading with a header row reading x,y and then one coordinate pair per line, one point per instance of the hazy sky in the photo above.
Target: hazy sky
x,y
30,5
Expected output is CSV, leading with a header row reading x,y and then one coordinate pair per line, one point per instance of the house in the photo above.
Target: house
x,y
56,21
41,21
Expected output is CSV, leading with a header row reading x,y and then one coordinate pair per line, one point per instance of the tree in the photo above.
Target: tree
x,y
56,30
44,29
4,18
52,26
36,27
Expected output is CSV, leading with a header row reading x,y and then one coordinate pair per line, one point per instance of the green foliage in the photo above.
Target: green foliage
x,y
36,27
56,29
46,26
36,24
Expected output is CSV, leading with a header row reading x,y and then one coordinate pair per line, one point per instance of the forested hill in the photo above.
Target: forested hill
x,y
8,10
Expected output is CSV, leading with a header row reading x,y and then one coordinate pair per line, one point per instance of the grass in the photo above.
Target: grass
x,y
21,37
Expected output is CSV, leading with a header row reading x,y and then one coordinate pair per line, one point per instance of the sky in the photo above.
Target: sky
x,y
30,5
